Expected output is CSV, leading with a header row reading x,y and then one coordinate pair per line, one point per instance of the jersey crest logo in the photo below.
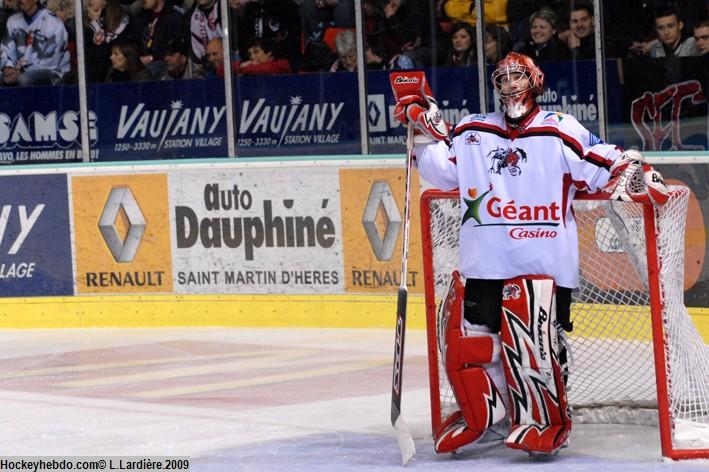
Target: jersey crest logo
x,y
507,159
472,138
511,292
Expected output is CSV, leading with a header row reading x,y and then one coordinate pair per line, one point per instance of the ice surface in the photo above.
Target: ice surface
x,y
252,400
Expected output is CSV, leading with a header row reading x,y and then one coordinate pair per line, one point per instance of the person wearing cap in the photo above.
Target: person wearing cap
x,y
176,62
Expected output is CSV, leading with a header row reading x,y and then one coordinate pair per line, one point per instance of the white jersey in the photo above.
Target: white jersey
x,y
516,190
36,42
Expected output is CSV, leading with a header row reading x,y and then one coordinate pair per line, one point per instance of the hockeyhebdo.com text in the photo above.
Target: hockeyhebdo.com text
x,y
45,463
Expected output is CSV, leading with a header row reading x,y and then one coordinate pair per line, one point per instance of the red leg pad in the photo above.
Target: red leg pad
x,y
480,402
536,392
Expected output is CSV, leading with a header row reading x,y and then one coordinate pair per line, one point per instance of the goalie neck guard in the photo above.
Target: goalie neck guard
x,y
518,81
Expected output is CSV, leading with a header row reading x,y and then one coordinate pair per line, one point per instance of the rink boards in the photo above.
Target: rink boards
x,y
308,243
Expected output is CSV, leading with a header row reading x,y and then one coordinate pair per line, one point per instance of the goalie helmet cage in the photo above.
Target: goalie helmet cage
x,y
635,348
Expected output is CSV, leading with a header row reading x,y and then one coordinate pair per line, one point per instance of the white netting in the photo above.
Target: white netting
x,y
614,373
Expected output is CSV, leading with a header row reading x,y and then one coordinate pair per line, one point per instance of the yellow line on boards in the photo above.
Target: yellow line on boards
x,y
247,311
263,311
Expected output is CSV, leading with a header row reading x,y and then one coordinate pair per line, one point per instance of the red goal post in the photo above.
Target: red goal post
x,y
638,357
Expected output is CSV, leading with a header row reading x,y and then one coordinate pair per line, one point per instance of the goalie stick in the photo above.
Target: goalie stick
x,y
403,435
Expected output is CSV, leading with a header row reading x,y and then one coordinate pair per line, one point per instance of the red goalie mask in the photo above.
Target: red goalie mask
x,y
519,81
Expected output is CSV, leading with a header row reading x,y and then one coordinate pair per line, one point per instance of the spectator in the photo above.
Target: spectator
x,y
580,37
544,44
462,52
157,22
277,21
7,8
519,11
215,57
396,27
701,38
318,15
177,61
346,46
262,60
34,49
670,32
377,59
497,43
105,24
126,64
205,24
464,10
621,35
62,9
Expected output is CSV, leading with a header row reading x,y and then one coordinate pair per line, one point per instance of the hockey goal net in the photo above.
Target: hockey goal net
x,y
637,356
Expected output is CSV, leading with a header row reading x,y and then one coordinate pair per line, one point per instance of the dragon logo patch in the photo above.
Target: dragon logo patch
x,y
507,159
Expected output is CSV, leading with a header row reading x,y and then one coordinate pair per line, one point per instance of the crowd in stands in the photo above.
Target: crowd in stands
x,y
129,40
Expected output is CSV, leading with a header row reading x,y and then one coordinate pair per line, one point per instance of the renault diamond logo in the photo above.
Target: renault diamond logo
x,y
122,198
380,194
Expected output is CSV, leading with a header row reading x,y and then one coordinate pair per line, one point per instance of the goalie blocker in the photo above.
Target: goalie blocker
x,y
533,377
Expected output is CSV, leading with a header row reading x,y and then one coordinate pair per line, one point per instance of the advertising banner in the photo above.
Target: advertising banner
x,y
256,231
373,222
35,242
41,124
665,104
696,254
159,120
297,114
318,114
121,234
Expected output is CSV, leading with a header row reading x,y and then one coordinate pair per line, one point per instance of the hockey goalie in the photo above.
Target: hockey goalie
x,y
507,311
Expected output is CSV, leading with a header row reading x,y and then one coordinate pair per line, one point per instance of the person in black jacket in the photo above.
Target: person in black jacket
x,y
580,37
277,21
105,23
154,27
544,44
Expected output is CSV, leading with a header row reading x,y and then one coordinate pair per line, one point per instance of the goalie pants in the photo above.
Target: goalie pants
x,y
483,304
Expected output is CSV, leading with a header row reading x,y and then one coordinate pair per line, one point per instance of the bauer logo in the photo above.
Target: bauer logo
x,y
373,207
122,234
403,79
258,232
35,246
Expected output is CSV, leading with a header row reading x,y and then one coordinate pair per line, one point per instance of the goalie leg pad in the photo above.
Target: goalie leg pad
x,y
469,352
530,351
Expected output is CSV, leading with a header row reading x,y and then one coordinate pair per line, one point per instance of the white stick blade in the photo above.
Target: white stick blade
x,y
406,441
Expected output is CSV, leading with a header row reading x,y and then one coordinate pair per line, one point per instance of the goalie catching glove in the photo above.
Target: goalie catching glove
x,y
632,179
415,104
